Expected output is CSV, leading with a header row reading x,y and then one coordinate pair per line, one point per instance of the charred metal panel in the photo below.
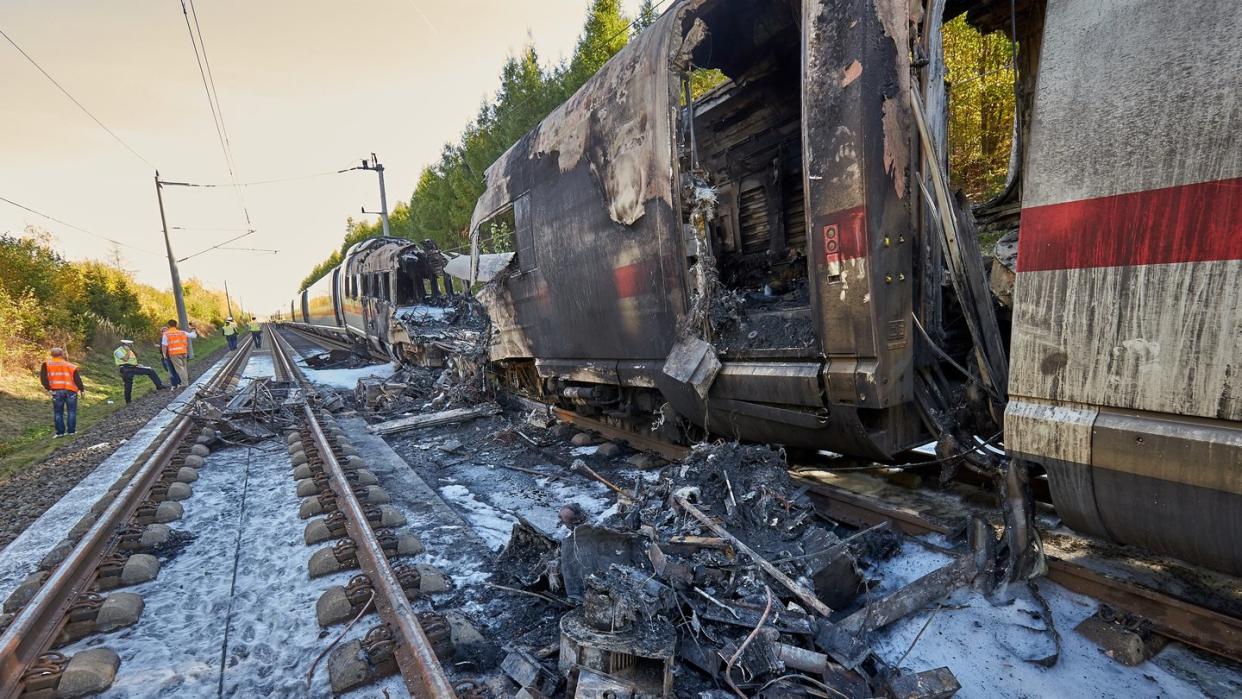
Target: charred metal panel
x,y
770,382
596,176
857,144
602,180
593,372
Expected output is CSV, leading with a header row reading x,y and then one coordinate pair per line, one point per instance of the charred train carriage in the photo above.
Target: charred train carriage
x,y
389,296
781,260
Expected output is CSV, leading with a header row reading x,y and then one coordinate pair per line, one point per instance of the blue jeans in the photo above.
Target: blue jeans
x,y
172,373
255,337
232,340
65,402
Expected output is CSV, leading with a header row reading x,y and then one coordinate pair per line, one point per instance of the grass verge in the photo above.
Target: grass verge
x,y
26,410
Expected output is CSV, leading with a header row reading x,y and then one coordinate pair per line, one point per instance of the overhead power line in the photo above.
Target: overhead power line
x,y
252,250
217,246
73,99
260,182
213,101
77,228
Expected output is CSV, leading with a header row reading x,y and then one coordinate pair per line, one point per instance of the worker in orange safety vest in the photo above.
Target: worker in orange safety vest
x,y
175,346
61,380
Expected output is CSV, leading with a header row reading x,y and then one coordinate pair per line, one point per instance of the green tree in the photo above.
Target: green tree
x,y
646,16
604,34
981,102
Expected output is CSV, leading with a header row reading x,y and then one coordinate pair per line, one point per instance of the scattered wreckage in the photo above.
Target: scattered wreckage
x,y
721,580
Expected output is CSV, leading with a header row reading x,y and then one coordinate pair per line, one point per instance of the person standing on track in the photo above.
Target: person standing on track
x,y
230,333
61,380
127,364
176,347
256,332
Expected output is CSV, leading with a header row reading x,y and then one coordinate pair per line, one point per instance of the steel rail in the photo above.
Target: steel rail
x,y
36,627
420,668
321,340
1173,618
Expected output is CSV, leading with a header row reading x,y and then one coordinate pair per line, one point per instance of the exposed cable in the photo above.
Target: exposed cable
x,y
78,228
73,99
990,441
217,246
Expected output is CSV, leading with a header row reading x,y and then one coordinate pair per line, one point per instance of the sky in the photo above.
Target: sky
x,y
305,87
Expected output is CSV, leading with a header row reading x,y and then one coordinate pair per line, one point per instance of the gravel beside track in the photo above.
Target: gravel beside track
x,y
29,493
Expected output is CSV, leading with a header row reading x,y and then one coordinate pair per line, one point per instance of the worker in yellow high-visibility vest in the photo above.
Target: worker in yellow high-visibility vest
x,y
175,345
256,332
230,333
61,380
127,364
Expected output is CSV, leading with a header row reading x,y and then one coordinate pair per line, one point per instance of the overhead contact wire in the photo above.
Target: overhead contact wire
x,y
78,228
217,119
73,99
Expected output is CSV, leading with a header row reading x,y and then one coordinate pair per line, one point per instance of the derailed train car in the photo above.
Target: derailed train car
x,y
770,260
382,297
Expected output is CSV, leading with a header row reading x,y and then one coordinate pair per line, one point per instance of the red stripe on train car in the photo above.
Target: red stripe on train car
x,y
627,281
1189,223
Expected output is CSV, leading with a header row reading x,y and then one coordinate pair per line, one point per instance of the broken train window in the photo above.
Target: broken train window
x,y
508,230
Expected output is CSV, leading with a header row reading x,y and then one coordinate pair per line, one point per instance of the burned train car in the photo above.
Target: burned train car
x,y
389,296
748,256
780,259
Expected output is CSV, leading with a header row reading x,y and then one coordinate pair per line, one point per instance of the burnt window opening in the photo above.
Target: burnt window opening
x,y
745,82
404,292
497,232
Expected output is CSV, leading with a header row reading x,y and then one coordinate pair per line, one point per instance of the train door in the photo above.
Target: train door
x,y
856,126
336,298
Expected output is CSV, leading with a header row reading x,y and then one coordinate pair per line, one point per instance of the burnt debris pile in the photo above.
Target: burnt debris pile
x,y
414,390
717,580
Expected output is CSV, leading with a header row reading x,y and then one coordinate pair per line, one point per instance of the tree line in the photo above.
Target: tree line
x,y
47,300
443,200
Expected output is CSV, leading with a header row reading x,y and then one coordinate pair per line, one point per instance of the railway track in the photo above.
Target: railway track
x,y
413,651
111,530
